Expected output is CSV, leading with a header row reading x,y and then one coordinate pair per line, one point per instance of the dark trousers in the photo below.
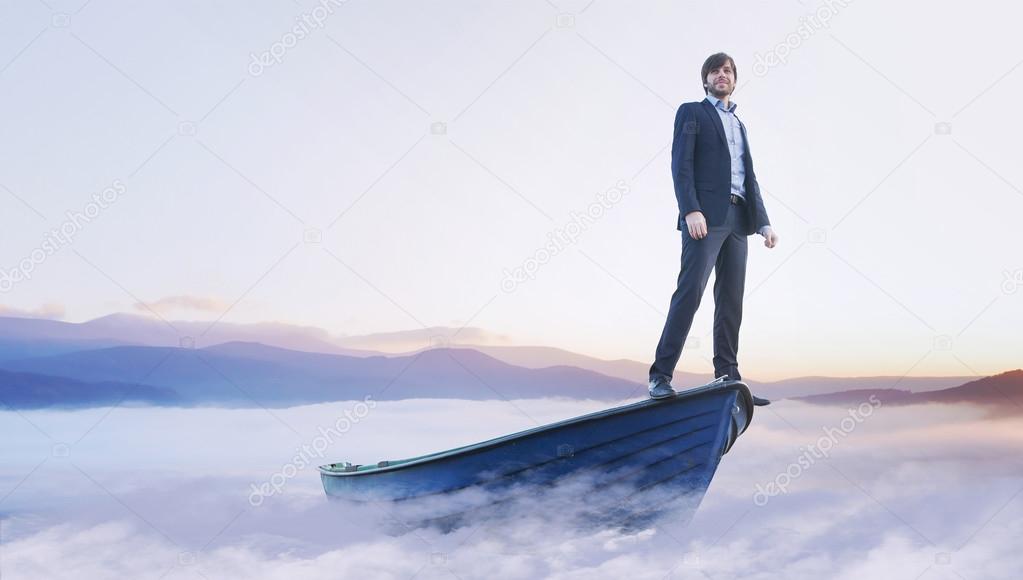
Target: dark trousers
x,y
724,249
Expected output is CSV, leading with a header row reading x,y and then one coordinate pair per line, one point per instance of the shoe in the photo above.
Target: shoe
x,y
757,401
660,389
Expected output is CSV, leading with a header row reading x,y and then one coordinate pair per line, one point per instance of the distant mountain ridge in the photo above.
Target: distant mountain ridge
x,y
1003,391
134,350
132,329
34,391
28,337
255,374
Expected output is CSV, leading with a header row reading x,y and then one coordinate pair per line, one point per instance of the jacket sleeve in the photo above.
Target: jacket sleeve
x,y
682,147
760,212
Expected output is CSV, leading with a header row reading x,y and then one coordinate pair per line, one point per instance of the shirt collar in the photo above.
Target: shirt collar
x,y
718,104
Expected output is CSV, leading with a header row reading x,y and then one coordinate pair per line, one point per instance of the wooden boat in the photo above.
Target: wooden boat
x,y
630,462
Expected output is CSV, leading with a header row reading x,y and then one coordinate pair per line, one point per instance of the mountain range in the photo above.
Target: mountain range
x,y
143,360
1003,391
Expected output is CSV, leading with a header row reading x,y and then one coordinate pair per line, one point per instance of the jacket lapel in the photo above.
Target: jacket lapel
x,y
716,121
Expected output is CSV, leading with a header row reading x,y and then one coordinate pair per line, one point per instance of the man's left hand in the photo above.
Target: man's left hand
x,y
770,238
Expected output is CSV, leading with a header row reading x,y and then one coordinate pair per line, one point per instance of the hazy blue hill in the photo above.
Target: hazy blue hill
x,y
1002,389
300,365
1002,392
35,391
19,349
816,385
133,329
22,338
256,374
854,397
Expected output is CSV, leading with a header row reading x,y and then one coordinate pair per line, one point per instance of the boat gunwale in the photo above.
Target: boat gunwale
x,y
738,386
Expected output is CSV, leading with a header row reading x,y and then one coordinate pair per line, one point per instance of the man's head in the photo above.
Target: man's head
x,y
719,75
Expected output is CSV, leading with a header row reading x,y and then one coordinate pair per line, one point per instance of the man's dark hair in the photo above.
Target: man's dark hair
x,y
714,61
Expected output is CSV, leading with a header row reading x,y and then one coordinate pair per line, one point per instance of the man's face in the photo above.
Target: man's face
x,y
721,81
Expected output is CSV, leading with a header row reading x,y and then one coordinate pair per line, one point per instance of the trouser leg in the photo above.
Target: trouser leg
x,y
698,258
729,287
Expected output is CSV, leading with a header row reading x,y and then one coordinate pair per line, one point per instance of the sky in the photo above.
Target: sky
x,y
925,492
384,166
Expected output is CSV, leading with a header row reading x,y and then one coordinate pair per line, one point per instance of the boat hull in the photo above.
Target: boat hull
x,y
630,461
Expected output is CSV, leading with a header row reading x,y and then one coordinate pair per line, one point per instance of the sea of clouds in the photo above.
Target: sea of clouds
x,y
922,492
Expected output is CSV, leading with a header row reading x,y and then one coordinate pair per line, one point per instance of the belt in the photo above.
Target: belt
x,y
736,199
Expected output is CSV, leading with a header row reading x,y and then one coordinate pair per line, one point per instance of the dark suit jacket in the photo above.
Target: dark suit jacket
x,y
701,167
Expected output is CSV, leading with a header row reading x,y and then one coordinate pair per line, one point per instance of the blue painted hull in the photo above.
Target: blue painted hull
x,y
639,459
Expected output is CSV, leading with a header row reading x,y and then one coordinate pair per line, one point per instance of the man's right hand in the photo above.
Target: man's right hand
x,y
697,225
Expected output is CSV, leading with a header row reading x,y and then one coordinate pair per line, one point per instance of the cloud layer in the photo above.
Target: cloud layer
x,y
909,492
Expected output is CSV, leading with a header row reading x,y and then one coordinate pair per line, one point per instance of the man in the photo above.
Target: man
x,y
720,204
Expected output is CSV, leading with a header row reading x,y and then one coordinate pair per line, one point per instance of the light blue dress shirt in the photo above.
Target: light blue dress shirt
x,y
736,146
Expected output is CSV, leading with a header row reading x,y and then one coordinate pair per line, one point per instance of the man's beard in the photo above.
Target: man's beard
x,y
719,94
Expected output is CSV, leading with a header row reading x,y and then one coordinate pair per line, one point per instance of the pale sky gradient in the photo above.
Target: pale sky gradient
x,y
920,227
